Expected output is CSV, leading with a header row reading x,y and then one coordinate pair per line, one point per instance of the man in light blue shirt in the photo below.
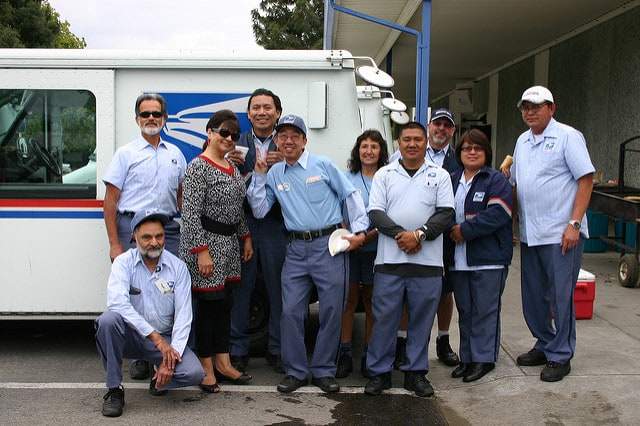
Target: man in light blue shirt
x,y
553,178
145,173
310,190
149,314
411,204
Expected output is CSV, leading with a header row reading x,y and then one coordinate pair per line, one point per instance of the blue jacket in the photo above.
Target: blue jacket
x,y
487,226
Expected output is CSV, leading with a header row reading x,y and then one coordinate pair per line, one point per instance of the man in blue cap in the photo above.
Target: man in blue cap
x,y
148,314
310,190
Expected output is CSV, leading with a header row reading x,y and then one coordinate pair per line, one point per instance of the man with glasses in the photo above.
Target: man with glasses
x,y
441,129
310,190
552,175
269,235
145,173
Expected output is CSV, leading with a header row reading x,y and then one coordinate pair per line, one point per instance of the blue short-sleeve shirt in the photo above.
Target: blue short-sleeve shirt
x,y
546,169
147,176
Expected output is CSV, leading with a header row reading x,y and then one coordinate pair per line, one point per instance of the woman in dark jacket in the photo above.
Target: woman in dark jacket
x,y
479,251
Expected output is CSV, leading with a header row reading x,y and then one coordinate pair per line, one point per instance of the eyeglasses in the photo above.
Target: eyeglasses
x,y
531,107
294,137
225,133
147,114
442,123
469,148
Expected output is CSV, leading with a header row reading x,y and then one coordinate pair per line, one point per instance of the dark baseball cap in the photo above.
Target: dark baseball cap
x,y
442,113
143,216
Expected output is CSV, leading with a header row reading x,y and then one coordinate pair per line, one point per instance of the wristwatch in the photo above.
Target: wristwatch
x,y
576,224
421,235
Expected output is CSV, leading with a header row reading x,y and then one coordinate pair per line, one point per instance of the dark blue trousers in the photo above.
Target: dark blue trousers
x,y
308,264
478,296
422,295
270,239
548,280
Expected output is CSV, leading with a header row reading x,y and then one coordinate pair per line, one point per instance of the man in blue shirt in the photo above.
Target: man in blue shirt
x,y
149,314
269,235
553,178
310,190
145,173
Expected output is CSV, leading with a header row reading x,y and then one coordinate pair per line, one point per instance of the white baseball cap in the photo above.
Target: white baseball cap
x,y
336,243
536,95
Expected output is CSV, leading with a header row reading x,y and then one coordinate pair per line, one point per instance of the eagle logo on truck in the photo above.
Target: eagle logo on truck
x,y
189,113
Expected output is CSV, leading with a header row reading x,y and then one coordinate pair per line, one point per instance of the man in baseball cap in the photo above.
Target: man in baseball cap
x,y
536,95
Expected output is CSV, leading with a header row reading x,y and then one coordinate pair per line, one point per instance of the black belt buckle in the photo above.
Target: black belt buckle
x,y
307,236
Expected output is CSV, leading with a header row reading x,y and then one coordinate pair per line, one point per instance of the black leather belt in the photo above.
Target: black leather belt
x,y
310,235
216,227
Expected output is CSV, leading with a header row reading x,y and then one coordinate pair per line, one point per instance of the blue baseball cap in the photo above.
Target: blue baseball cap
x,y
293,121
442,113
144,215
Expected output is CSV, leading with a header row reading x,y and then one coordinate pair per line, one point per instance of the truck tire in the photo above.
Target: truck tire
x,y
628,271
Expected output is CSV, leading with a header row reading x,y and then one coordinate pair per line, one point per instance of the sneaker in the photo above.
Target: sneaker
x,y
445,353
345,365
113,402
532,358
377,384
139,369
401,353
555,371
416,381
327,384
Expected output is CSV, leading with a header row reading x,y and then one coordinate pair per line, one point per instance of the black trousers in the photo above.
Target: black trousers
x,y
213,323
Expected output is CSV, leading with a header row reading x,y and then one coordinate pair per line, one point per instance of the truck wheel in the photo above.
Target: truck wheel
x,y
259,319
628,271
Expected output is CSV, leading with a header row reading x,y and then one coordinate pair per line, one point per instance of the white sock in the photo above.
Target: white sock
x,y
443,333
402,333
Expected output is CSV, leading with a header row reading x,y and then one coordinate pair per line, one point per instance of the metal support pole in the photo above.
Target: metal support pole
x,y
422,55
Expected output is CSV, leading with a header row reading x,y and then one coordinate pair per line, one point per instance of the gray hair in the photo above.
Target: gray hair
x,y
151,97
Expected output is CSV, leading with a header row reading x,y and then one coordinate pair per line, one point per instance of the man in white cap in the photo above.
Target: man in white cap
x,y
553,178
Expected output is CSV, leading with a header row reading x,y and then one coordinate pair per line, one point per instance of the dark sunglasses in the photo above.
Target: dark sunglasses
x,y
225,133
147,114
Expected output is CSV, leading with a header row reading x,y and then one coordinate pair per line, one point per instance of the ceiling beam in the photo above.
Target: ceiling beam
x,y
405,16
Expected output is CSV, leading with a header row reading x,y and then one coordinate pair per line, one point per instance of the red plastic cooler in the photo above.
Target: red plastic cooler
x,y
584,295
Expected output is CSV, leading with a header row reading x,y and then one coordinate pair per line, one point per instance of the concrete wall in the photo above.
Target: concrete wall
x,y
513,81
595,79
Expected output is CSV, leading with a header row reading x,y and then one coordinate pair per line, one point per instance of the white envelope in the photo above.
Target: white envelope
x,y
336,243
242,150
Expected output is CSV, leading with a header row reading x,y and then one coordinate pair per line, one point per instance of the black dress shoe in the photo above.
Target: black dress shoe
x,y
555,371
243,379
153,390
345,365
445,353
532,358
460,370
139,369
476,370
327,384
290,383
113,402
401,353
377,384
275,361
416,381
240,362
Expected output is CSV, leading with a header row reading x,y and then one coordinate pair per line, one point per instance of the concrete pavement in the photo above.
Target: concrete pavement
x,y
49,373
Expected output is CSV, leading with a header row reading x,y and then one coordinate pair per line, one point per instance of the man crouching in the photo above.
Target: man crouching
x,y
148,314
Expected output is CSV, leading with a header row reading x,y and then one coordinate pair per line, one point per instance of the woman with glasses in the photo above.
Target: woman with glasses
x,y
367,156
213,224
478,253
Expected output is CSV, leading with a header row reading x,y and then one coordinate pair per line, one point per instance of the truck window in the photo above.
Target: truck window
x,y
47,143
